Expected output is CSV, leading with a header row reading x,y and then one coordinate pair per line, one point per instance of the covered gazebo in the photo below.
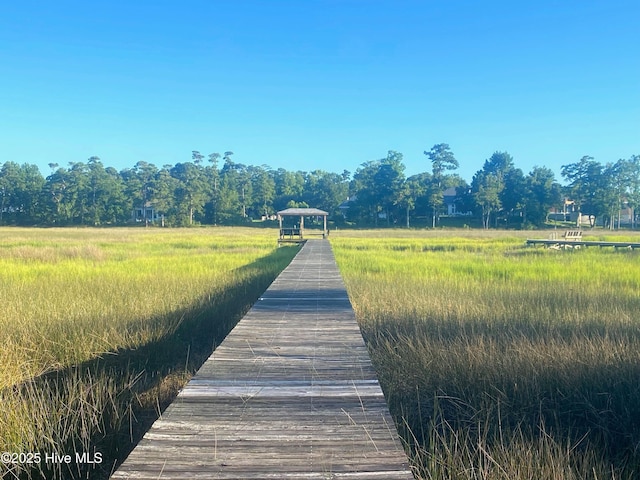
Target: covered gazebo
x,y
296,233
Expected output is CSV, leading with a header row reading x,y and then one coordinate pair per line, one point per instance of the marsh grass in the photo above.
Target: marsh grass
x,y
500,360
101,328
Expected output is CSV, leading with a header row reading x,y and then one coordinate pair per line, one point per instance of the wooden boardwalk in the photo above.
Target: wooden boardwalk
x,y
290,393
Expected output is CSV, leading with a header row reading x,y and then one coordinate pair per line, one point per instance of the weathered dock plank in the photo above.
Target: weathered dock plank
x,y
290,393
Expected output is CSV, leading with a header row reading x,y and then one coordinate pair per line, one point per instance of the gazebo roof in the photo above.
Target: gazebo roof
x,y
306,212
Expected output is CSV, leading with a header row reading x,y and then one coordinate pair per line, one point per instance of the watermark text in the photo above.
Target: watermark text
x,y
50,458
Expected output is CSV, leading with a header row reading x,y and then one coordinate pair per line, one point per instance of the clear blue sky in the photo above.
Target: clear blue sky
x,y
327,85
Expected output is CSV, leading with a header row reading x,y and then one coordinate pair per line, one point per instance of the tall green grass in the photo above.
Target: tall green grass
x,y
100,328
499,360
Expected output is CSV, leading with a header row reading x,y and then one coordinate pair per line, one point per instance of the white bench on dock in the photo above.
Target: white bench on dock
x,y
289,394
573,235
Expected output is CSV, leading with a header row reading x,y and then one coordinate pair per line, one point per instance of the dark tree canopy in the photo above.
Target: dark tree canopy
x,y
216,189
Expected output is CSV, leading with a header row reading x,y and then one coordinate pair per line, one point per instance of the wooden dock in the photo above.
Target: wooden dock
x,y
289,394
558,243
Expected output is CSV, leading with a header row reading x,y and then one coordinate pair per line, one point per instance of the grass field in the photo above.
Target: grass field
x,y
501,361
100,328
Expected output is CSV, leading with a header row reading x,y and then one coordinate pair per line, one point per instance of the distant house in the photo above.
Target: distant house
x,y
450,195
627,214
346,205
451,202
569,213
147,214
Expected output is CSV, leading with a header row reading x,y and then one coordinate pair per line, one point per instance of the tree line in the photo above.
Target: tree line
x,y
217,190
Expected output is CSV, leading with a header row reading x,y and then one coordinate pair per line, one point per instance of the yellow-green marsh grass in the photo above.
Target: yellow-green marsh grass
x,y
98,326
501,360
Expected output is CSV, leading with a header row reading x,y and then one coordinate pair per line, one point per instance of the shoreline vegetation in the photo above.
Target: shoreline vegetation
x,y
501,361
223,192
497,360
